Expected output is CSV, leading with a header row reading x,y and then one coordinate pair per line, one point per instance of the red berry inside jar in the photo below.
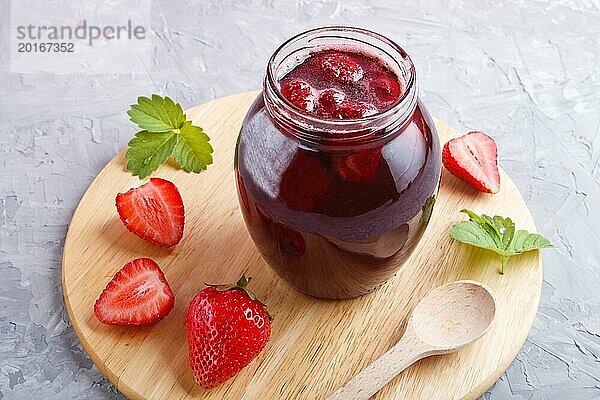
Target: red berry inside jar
x,y
341,85
340,67
299,93
385,88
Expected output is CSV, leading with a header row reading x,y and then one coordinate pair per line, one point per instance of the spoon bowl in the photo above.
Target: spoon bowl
x,y
447,319
454,315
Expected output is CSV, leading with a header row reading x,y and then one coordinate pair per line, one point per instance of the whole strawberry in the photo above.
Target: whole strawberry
x,y
227,328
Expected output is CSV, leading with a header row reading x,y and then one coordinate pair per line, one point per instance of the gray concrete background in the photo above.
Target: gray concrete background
x,y
526,72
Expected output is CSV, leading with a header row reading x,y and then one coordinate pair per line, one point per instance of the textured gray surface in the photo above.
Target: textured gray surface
x,y
527,72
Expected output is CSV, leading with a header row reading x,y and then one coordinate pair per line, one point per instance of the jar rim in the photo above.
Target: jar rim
x,y
271,81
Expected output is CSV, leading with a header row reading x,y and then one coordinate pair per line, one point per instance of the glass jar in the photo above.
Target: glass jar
x,y
330,234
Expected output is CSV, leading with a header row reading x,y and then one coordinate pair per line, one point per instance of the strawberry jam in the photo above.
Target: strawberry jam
x,y
337,162
341,85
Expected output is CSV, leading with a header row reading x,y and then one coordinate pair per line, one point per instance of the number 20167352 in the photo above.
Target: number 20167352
x,y
46,47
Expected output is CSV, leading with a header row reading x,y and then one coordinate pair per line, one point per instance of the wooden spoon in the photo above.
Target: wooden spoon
x,y
447,319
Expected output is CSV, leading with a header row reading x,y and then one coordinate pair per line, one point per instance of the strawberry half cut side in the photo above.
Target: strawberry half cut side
x,y
473,158
153,211
138,294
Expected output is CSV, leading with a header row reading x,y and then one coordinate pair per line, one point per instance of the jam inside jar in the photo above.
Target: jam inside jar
x,y
337,162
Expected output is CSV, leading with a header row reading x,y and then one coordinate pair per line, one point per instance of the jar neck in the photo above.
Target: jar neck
x,y
313,130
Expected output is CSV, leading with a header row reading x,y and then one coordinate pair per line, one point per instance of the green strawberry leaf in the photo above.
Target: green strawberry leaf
x,y
497,234
192,151
158,114
524,241
147,151
475,234
487,224
507,227
165,132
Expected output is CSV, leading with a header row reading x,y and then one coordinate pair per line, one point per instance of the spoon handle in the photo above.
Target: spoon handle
x,y
370,380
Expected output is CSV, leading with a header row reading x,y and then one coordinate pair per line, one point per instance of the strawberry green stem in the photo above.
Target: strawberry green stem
x,y
243,282
503,267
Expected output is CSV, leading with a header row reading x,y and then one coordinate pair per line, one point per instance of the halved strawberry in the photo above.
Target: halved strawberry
x,y
360,166
474,159
138,294
153,211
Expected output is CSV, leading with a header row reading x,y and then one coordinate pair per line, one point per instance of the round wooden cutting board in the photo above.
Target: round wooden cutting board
x,y
316,345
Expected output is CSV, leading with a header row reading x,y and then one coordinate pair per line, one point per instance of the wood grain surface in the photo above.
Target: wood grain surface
x,y
316,345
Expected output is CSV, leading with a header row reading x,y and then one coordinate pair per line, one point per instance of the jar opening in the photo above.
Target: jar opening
x,y
315,129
